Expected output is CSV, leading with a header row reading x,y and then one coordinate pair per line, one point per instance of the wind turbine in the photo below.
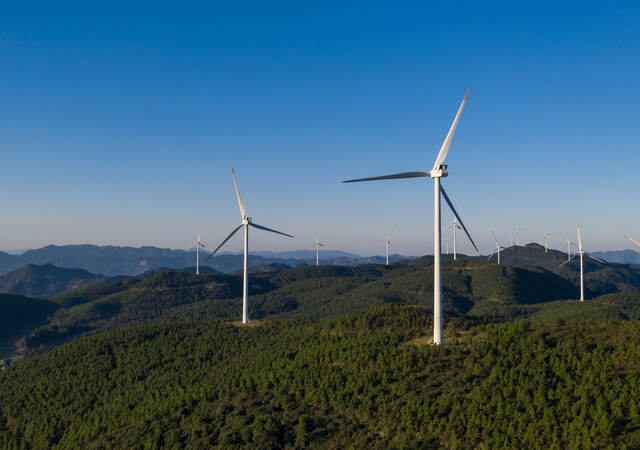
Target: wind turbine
x,y
546,242
317,246
387,242
626,236
517,232
197,244
569,244
581,252
246,223
438,171
498,248
455,227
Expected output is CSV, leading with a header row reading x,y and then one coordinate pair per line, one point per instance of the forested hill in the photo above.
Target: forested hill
x,y
365,380
470,287
47,280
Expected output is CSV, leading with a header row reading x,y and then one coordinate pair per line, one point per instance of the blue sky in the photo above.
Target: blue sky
x,y
120,124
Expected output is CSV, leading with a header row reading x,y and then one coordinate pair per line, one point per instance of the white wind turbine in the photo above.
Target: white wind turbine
x,y
317,246
438,171
197,244
387,242
546,242
497,249
569,244
455,227
246,223
517,233
581,252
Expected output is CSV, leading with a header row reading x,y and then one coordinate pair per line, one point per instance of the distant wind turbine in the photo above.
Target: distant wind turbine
x,y
581,252
197,244
455,227
546,242
569,244
387,242
438,171
517,233
246,223
498,248
317,246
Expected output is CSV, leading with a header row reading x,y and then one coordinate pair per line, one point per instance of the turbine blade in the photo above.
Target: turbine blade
x,y
579,239
320,244
597,259
260,227
494,238
491,255
447,142
568,260
455,213
391,177
631,239
240,204
223,242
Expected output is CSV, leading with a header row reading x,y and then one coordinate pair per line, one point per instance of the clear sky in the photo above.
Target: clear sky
x,y
119,124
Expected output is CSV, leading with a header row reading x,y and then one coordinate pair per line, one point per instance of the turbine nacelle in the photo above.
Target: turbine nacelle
x,y
440,173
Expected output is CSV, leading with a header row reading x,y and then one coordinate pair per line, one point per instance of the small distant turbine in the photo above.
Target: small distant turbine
x,y
546,242
197,244
387,242
455,227
517,233
497,249
317,246
438,171
581,252
569,244
246,223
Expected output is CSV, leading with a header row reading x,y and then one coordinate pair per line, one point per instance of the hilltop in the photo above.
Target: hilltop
x,y
47,280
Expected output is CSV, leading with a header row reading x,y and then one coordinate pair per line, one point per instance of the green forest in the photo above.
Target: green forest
x,y
335,357
364,379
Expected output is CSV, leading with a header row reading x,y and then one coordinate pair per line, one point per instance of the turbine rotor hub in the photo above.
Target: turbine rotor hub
x,y
439,173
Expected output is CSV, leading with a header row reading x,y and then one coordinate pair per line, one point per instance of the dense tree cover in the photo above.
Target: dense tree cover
x,y
18,312
362,380
471,287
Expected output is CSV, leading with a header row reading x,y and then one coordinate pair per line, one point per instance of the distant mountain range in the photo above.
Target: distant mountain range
x,y
130,261
619,256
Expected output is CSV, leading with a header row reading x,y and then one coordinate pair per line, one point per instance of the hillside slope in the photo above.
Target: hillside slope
x,y
47,280
363,380
304,292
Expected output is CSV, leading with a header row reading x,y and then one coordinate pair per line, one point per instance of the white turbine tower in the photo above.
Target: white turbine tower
x,y
246,223
197,244
497,249
546,242
581,252
317,246
455,227
387,242
438,171
517,233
